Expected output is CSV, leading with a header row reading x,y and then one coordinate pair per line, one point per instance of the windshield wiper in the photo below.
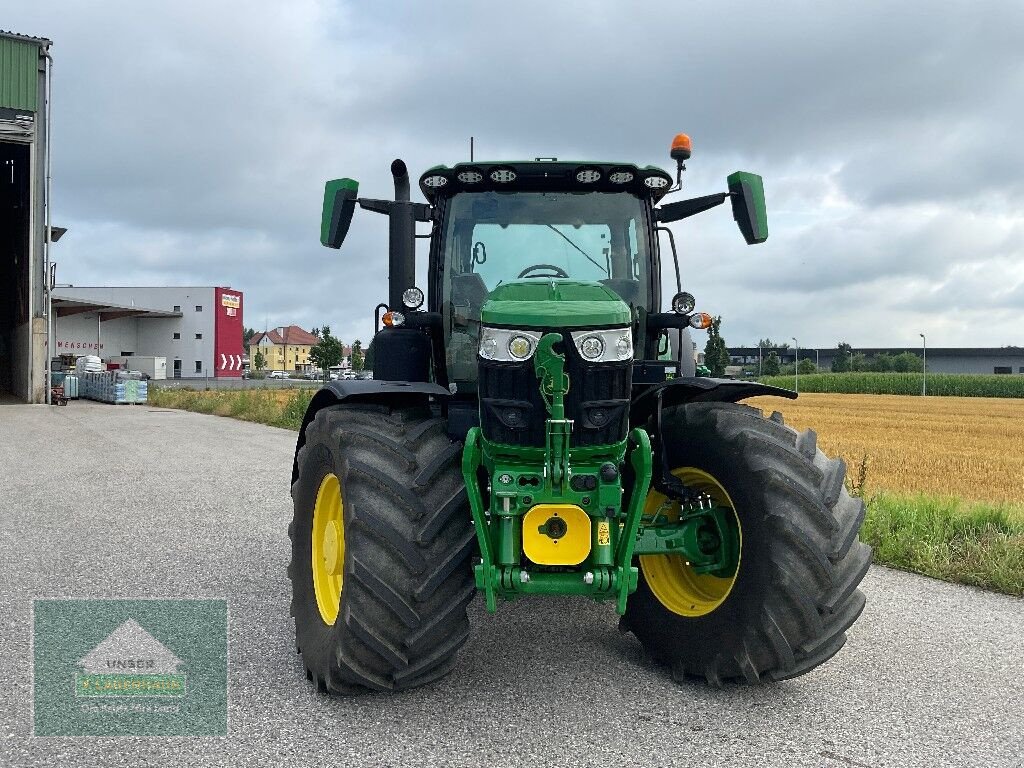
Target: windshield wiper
x,y
570,242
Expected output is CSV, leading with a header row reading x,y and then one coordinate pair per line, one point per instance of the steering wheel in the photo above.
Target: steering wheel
x,y
558,271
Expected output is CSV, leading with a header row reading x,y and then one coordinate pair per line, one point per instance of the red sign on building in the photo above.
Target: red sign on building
x,y
227,333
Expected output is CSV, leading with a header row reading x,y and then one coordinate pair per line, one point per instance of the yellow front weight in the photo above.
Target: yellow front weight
x,y
327,559
556,534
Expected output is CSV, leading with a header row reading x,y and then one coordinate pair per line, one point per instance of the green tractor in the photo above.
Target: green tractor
x,y
537,428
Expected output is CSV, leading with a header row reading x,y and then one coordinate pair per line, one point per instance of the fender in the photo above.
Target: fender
x,y
364,391
692,389
647,407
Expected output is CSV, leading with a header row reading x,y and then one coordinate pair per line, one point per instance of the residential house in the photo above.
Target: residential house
x,y
285,348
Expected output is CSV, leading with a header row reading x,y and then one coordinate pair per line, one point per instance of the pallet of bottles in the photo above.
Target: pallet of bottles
x,y
117,387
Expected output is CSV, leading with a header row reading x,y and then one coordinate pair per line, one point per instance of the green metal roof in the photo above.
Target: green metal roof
x,y
19,71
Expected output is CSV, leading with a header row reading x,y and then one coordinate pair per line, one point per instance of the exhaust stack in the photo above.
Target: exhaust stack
x,y
402,238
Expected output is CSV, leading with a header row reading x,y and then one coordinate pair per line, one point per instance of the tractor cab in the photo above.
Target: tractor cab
x,y
495,223
547,227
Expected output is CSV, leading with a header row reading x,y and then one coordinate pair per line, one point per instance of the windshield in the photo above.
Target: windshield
x,y
492,238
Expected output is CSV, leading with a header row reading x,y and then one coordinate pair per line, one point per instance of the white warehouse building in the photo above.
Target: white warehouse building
x,y
197,329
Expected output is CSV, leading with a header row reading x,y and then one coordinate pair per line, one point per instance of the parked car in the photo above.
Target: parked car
x,y
278,375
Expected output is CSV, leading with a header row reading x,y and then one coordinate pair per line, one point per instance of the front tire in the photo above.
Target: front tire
x,y
381,540
786,608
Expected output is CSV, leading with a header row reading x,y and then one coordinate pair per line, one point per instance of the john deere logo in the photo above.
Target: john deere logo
x,y
130,662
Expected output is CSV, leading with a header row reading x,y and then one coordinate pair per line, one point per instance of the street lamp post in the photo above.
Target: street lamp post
x,y
796,365
924,365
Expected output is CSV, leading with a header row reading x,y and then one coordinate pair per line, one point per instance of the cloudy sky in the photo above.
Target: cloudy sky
x,y
192,140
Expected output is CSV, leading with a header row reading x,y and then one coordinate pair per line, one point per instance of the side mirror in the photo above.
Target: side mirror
x,y
746,191
339,205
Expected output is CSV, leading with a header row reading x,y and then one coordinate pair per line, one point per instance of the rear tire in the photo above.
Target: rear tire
x,y
406,542
795,591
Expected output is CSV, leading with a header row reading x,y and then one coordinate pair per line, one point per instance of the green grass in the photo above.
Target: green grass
x,y
263,406
948,384
977,544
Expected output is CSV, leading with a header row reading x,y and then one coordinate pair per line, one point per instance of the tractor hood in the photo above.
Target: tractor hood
x,y
554,303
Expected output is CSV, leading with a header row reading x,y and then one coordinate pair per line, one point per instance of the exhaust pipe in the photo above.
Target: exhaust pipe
x,y
401,175
401,238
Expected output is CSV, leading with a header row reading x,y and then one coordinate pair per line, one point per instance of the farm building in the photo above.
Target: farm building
x,y
1005,360
197,329
25,233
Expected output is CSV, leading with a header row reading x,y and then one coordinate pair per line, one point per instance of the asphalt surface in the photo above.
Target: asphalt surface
x,y
131,501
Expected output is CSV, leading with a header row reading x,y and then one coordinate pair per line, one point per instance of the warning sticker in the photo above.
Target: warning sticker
x,y
604,535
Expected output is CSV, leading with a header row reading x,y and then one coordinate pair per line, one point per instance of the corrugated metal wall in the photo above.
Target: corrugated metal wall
x,y
19,74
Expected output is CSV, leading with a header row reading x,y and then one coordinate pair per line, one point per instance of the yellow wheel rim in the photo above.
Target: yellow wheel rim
x,y
670,579
328,556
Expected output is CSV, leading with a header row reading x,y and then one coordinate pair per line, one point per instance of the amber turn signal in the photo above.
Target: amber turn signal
x,y
393,319
701,320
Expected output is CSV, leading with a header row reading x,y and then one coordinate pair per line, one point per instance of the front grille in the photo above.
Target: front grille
x,y
512,411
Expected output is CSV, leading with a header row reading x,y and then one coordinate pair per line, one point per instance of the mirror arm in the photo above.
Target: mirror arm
x,y
421,211
686,208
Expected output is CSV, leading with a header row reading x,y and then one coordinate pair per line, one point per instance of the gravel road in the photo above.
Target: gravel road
x,y
131,501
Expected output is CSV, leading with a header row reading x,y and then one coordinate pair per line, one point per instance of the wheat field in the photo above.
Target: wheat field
x,y
966,447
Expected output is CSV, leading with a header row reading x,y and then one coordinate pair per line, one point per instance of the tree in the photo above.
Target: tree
x,y
259,362
907,362
769,344
716,354
247,334
806,366
357,355
316,331
843,360
327,353
771,364
882,362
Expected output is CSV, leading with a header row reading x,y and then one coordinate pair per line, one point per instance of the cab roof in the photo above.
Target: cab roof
x,y
544,176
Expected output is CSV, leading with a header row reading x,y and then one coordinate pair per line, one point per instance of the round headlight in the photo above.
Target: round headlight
x,y
412,298
520,347
587,176
488,346
624,346
435,182
592,347
470,177
620,177
656,182
683,303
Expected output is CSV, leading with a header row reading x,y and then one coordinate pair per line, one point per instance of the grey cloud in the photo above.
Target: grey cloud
x,y
192,140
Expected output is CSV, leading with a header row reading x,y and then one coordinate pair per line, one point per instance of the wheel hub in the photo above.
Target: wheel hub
x,y
331,548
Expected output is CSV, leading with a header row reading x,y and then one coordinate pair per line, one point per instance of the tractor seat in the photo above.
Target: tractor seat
x,y
630,291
